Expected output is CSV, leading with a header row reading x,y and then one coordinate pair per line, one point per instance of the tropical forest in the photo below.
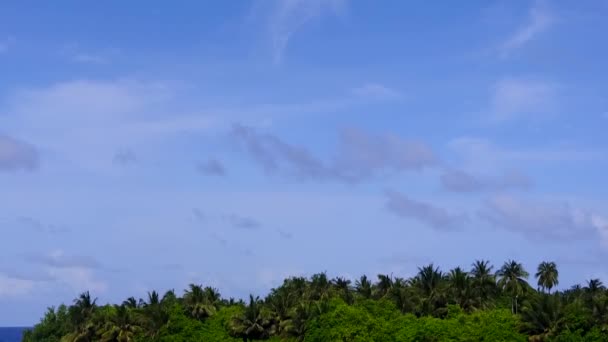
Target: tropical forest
x,y
478,303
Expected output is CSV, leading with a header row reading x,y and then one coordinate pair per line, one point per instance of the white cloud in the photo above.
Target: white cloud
x,y
73,271
376,91
58,259
477,155
78,279
87,121
13,287
520,98
539,20
544,219
601,225
289,16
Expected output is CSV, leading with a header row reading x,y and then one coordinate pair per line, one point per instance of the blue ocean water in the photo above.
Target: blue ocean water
x,y
11,334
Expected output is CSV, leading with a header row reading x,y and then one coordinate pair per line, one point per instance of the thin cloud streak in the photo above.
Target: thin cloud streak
x,y
540,20
289,16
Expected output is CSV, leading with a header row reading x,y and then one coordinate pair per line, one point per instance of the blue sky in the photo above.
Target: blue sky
x,y
147,146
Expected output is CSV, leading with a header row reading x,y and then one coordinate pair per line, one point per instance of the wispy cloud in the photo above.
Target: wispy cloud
x,y
360,155
522,99
108,115
124,157
543,219
41,227
59,259
539,20
13,286
376,91
5,43
234,220
478,155
436,217
211,167
17,155
289,16
89,58
73,271
241,222
462,181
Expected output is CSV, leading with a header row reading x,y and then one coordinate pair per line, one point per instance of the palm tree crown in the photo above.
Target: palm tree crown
x,y
547,275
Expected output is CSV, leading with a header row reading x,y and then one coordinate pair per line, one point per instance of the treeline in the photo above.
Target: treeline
x,y
474,305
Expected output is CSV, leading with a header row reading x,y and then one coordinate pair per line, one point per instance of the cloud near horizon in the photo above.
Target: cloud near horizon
x,y
543,219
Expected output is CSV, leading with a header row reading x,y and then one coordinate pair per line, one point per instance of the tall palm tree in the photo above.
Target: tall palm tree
x,y
483,283
155,314
200,303
547,275
364,287
253,323
512,279
592,291
80,314
130,303
459,285
429,281
594,286
384,285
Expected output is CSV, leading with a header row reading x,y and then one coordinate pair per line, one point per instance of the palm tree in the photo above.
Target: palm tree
x,y
543,316
364,287
343,288
483,283
547,275
253,323
512,279
405,297
297,323
319,287
200,303
459,284
383,286
429,280
121,327
594,286
85,305
130,303
80,315
154,313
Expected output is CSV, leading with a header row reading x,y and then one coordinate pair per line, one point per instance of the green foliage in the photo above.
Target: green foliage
x,y
457,305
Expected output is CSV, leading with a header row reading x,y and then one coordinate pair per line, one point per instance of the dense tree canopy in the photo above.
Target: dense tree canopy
x,y
457,305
